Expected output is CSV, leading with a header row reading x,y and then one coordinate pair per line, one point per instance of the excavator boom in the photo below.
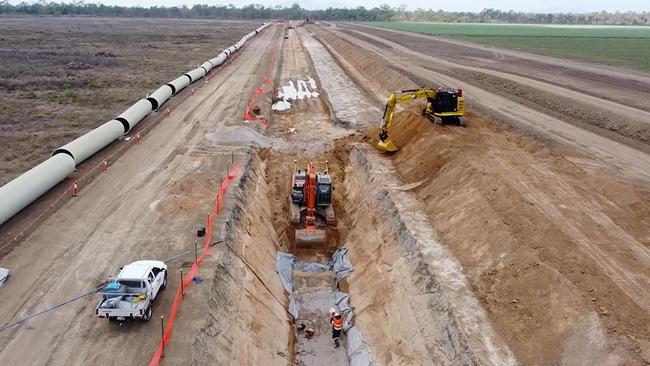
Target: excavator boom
x,y
447,105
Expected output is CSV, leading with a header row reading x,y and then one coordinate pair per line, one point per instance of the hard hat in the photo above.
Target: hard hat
x,y
337,314
332,310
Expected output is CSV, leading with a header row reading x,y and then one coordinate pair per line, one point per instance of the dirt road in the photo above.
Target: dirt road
x,y
149,205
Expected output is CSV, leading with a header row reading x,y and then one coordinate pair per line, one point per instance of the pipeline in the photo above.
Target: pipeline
x,y
25,189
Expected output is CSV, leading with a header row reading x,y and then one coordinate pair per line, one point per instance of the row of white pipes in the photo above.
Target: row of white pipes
x,y
20,192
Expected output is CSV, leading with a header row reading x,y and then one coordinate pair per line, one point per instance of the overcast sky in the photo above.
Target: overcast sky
x,y
456,5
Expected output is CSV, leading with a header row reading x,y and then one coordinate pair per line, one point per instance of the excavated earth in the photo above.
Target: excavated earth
x,y
480,245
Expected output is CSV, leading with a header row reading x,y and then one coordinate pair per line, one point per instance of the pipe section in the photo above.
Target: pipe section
x,y
90,143
196,74
218,60
160,96
207,66
132,116
21,191
179,84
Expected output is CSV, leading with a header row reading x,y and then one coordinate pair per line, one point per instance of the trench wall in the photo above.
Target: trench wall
x,y
246,322
411,298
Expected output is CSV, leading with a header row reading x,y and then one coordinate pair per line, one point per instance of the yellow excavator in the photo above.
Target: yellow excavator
x,y
447,105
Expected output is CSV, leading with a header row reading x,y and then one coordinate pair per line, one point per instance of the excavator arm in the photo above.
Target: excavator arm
x,y
447,108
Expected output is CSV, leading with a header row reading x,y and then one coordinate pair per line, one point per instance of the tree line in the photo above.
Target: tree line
x,y
384,13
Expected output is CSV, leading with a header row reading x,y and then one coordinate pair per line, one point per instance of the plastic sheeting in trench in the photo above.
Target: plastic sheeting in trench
x,y
284,267
4,273
357,350
341,264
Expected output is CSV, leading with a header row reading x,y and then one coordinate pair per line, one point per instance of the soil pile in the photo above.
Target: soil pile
x,y
558,255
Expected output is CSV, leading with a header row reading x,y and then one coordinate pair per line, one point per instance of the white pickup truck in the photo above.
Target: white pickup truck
x,y
131,294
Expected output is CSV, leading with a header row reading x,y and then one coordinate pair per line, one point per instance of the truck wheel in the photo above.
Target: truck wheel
x,y
147,314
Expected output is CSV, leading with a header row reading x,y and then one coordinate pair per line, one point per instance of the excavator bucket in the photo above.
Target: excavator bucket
x,y
310,237
387,146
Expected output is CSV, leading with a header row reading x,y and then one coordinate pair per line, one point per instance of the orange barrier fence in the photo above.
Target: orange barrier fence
x,y
188,278
263,88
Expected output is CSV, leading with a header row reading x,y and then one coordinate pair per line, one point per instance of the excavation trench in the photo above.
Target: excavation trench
x,y
409,296
406,300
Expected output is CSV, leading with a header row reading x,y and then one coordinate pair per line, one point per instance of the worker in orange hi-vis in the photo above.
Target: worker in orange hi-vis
x,y
337,326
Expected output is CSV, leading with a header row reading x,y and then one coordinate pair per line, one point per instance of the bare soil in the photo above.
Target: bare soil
x,y
558,255
552,246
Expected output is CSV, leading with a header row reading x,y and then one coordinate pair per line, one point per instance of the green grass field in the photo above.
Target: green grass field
x,y
624,46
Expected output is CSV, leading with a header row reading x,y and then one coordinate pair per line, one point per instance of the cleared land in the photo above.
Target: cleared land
x,y
616,45
520,239
62,77
547,258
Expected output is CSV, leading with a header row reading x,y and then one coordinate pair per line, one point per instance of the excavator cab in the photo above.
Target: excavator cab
x,y
446,105
444,101
298,189
323,190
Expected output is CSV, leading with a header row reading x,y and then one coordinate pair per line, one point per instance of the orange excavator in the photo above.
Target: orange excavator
x,y
311,204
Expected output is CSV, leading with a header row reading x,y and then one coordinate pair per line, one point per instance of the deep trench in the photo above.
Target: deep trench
x,y
314,291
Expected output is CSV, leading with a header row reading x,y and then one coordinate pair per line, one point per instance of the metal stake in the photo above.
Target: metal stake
x,y
162,334
182,286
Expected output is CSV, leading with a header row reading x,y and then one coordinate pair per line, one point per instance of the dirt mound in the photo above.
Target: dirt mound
x,y
558,255
404,278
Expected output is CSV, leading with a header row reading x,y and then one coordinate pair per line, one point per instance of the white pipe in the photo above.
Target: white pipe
x,y
207,66
196,74
20,192
135,113
160,96
87,145
179,83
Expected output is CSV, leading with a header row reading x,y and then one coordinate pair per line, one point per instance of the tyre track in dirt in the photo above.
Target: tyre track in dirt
x,y
636,115
613,106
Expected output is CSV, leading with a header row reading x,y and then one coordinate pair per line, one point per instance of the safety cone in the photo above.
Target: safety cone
x,y
75,188
167,112
105,164
138,138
